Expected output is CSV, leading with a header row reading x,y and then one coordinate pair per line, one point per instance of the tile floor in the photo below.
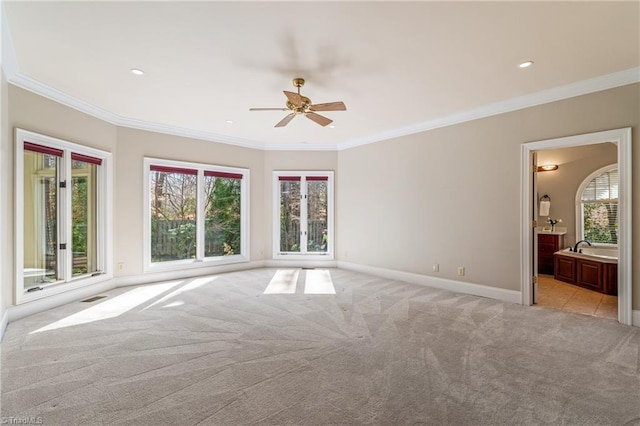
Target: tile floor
x,y
569,298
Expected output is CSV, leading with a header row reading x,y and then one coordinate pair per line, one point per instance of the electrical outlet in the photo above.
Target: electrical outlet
x,y
461,270
120,266
436,267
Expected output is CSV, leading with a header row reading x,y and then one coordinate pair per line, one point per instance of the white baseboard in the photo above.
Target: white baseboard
x,y
13,313
282,263
29,308
512,296
3,324
151,277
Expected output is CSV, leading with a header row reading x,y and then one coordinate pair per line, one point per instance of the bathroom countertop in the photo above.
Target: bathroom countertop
x,y
560,230
552,232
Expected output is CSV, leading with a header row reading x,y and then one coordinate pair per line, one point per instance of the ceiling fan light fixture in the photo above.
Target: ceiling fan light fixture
x,y
298,104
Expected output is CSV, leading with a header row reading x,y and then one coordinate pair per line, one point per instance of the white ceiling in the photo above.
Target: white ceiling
x,y
399,66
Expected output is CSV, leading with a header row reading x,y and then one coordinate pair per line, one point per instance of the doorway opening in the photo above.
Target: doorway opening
x,y
562,225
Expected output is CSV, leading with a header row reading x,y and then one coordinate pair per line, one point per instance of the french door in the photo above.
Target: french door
x,y
60,215
303,218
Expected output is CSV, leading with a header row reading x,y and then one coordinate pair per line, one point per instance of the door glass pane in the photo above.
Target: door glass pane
x,y
84,217
317,238
173,216
40,219
289,216
222,216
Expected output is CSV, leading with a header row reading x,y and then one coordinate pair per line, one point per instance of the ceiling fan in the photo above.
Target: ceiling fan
x,y
301,105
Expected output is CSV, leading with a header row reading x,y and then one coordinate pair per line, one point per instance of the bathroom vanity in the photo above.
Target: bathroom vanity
x,y
549,242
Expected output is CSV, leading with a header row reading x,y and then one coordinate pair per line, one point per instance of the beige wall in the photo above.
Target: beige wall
x,y
133,146
452,195
449,196
575,165
291,160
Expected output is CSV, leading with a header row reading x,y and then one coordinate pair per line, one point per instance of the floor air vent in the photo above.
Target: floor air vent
x,y
93,299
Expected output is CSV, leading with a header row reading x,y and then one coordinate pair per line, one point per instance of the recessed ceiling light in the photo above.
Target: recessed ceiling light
x,y
229,121
136,71
332,126
525,64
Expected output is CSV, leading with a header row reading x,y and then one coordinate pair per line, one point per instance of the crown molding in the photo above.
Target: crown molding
x,y
13,76
609,81
63,98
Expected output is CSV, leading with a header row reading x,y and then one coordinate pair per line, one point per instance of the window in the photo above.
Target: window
x,y
303,213
198,214
62,190
597,207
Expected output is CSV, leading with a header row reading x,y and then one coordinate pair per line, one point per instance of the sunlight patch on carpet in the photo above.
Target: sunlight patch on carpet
x,y
283,282
113,307
319,282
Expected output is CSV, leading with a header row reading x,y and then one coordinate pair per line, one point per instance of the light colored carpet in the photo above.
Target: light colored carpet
x,y
218,351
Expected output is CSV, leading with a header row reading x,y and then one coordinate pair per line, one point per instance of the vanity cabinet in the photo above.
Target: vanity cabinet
x,y
547,245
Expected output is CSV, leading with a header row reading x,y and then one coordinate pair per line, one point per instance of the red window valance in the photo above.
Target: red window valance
x,y
86,158
34,147
169,169
223,174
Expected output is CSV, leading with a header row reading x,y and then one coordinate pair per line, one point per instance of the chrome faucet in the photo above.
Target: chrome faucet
x,y
575,248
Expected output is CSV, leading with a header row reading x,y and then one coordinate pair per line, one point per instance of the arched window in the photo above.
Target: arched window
x,y
597,206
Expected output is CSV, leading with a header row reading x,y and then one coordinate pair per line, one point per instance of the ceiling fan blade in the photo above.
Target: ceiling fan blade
x,y
323,121
330,106
294,98
285,120
268,109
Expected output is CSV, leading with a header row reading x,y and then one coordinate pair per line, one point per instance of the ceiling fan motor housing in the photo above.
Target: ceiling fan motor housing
x,y
304,106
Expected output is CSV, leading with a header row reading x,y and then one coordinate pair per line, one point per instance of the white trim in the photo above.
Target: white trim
x,y
17,312
302,263
604,82
275,192
200,262
3,324
578,201
185,273
104,223
625,260
33,307
512,296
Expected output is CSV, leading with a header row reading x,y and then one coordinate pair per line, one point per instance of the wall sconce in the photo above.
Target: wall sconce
x,y
547,167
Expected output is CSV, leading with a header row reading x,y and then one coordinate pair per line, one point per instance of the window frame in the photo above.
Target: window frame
x,y
329,254
578,203
104,216
200,261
